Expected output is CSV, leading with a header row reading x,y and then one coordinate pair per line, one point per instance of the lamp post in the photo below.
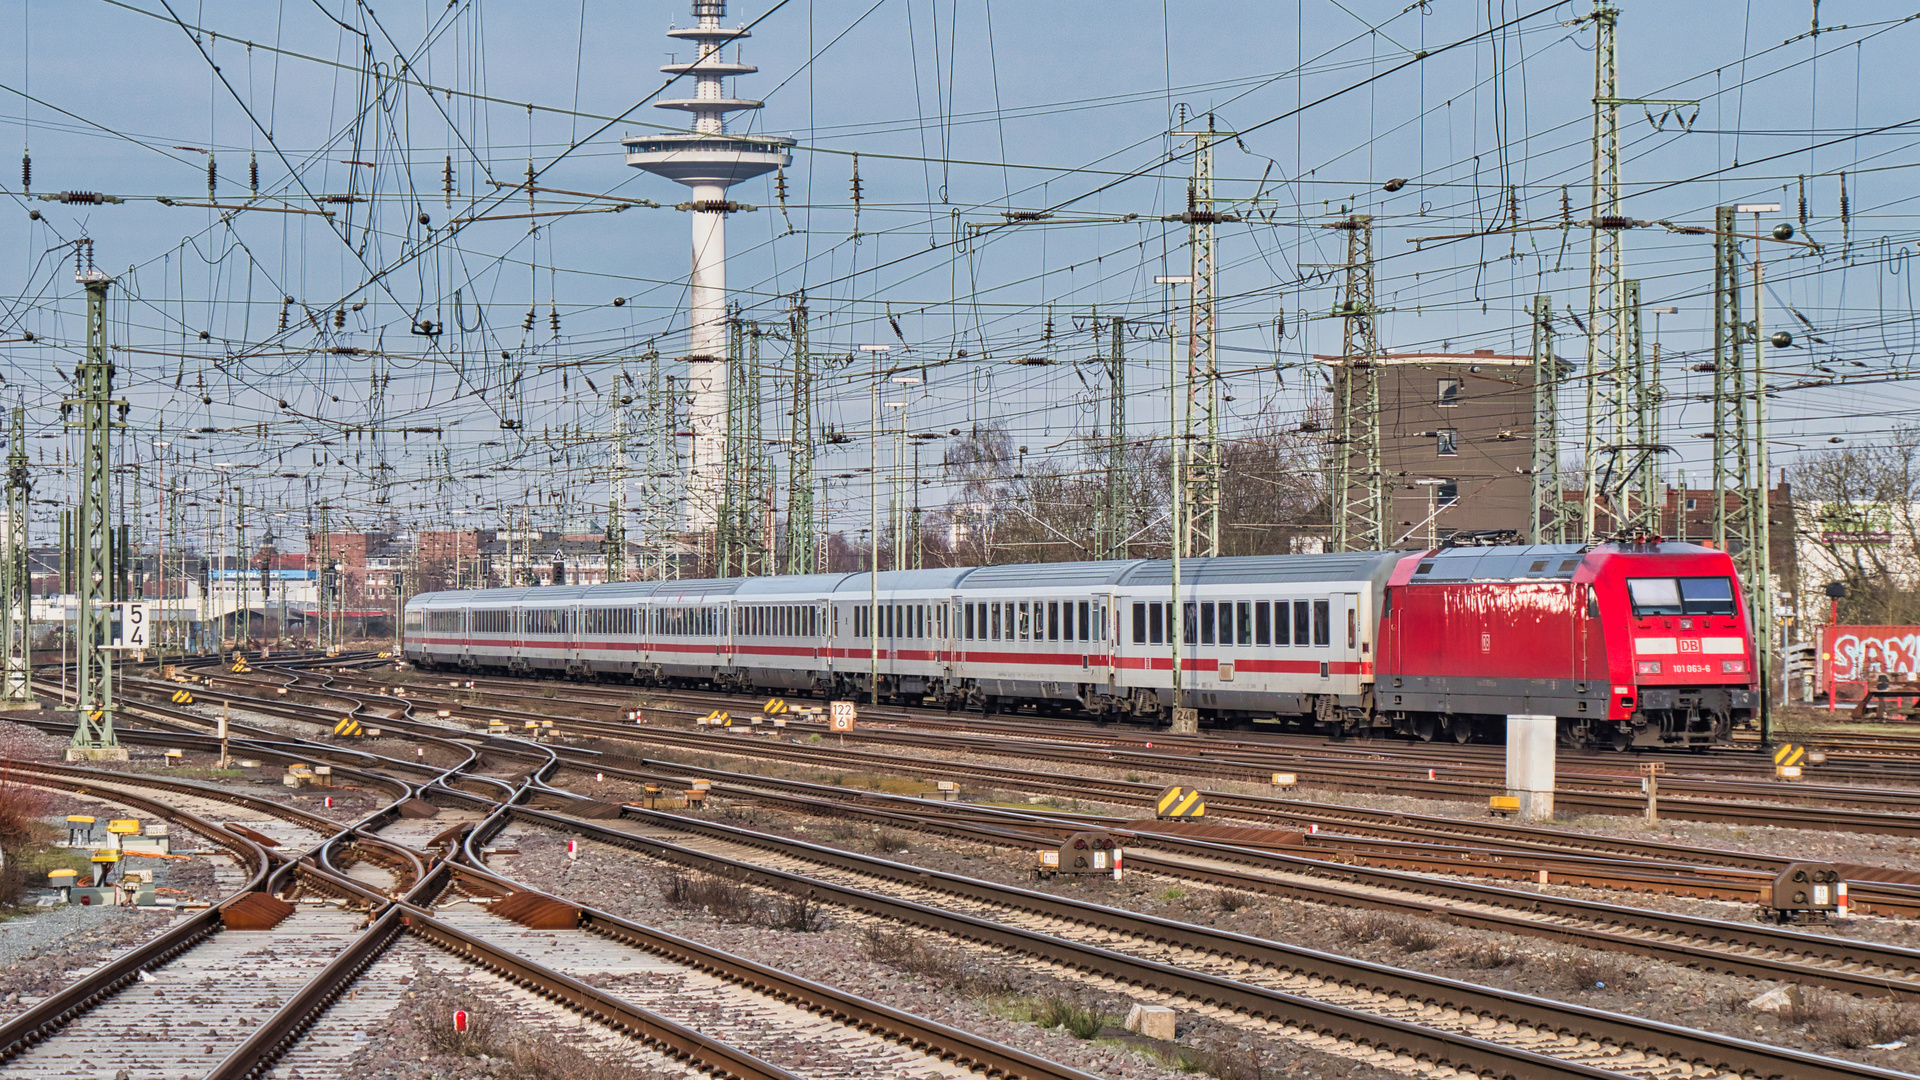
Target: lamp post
x,y
1176,620
873,521
897,511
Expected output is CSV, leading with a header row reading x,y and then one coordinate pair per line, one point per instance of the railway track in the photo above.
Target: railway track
x,y
1383,839
225,1014
553,754
1295,993
1816,806
1757,951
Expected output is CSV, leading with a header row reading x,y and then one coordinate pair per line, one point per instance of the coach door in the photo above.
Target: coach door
x,y
1109,640
1348,633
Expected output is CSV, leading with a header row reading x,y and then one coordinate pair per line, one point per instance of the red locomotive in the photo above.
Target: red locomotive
x,y
1629,645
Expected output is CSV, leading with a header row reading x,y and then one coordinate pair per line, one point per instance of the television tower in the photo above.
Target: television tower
x,y
708,160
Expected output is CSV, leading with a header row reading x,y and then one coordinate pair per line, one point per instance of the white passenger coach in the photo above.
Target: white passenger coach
x,y
1263,635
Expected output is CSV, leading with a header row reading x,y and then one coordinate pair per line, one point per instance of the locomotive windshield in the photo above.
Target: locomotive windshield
x,y
1681,596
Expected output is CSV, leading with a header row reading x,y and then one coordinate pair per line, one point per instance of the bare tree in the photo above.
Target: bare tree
x,y
1859,524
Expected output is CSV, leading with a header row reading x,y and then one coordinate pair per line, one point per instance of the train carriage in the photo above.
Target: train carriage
x,y
1635,645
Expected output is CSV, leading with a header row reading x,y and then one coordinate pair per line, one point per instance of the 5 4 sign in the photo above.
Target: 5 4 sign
x,y
132,626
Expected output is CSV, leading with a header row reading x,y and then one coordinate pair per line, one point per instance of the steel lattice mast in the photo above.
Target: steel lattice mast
x,y
802,539
92,536
615,538
1359,481
1547,519
1110,540
16,612
1200,533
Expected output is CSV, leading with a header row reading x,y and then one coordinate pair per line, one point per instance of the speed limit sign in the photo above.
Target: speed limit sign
x,y
842,716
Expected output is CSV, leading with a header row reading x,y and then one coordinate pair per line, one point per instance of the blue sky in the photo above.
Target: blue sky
x,y
960,111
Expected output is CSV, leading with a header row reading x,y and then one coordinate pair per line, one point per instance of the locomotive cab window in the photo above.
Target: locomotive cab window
x,y
1681,596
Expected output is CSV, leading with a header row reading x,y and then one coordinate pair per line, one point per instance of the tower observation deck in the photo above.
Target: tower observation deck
x,y
709,160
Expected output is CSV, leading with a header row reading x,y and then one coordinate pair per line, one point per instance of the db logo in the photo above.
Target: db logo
x,y
1486,642
1689,645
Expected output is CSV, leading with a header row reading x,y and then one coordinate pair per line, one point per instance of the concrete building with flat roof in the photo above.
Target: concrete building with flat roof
x,y
1456,442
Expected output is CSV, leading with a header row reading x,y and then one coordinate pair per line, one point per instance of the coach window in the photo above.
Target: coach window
x,y
1262,624
1156,619
1302,622
1139,624
920,619
1084,635
1206,624
966,622
1053,620
1322,622
1189,623
1243,620
1353,629
1025,633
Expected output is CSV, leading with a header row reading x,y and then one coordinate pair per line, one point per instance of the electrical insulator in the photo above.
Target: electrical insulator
x,y
1846,210
780,186
284,306
1803,204
26,172
213,175
1566,207
527,324
553,320
446,182
339,318
856,182
253,174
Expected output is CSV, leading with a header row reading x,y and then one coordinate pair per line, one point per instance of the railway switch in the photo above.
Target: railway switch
x,y
1803,892
1094,851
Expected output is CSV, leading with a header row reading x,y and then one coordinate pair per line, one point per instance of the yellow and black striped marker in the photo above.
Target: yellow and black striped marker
x,y
1180,802
774,706
347,726
1787,755
716,718
240,667
181,697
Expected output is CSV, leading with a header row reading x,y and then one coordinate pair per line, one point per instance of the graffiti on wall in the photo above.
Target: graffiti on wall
x,y
1849,654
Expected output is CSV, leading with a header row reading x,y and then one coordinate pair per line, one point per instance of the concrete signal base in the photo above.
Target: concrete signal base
x,y
29,705
1530,763
96,753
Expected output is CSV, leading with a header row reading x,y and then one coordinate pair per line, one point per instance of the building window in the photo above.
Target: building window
x,y
1693,504
1446,442
1447,394
1447,494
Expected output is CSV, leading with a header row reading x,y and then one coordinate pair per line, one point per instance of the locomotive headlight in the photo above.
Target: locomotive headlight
x,y
1648,667
1733,667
